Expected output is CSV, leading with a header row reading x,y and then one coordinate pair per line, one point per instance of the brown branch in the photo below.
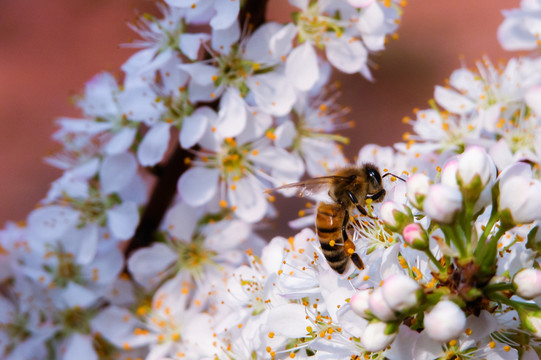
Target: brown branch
x,y
252,14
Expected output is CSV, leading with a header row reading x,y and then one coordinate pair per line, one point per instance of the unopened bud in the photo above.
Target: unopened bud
x,y
442,203
401,292
417,188
359,304
445,322
528,283
415,236
379,307
396,216
378,335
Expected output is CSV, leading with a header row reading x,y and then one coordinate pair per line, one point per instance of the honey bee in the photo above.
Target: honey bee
x,y
347,190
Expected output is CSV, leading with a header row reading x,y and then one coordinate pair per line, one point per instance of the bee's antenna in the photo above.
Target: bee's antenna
x,y
398,177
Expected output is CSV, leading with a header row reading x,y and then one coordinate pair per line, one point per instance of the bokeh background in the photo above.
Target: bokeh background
x,y
48,52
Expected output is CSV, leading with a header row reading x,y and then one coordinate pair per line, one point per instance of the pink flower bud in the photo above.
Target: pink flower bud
x,y
377,336
396,216
445,322
442,203
528,283
379,307
401,292
359,304
415,236
417,188
448,173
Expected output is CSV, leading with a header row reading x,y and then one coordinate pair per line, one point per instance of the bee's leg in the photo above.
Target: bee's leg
x,y
357,261
345,225
357,205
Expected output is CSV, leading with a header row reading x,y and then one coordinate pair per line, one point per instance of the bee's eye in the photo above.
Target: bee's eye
x,y
374,175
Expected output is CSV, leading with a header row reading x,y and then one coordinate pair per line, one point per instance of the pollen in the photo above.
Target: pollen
x,y
366,278
302,213
271,335
270,135
452,342
492,344
126,346
468,331
223,203
332,243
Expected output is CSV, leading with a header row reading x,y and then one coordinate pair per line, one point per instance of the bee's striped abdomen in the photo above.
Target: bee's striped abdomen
x,y
329,224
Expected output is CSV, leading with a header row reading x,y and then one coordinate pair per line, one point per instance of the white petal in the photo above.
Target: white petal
x,y
51,222
302,67
123,219
258,122
281,41
272,93
88,238
117,171
285,134
346,53
79,347
181,220
77,295
99,99
533,99
249,199
226,12
148,265
259,45
289,320
90,127
371,19
198,185
193,128
222,39
154,144
232,114
453,101
189,44
200,73
121,141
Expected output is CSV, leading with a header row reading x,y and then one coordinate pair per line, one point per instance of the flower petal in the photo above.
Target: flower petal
x,y
121,141
232,113
193,128
154,144
198,185
117,171
226,12
346,53
302,67
189,44
123,219
148,265
248,199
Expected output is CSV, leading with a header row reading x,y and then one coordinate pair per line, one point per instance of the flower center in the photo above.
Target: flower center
x,y
193,256
66,269
233,159
233,70
312,25
76,320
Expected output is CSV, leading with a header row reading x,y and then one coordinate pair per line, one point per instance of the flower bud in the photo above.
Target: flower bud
x,y
448,173
378,335
445,322
528,283
442,203
415,236
476,171
520,195
359,304
379,307
401,292
396,216
417,188
531,321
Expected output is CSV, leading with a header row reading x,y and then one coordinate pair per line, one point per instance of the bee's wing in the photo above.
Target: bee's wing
x,y
313,188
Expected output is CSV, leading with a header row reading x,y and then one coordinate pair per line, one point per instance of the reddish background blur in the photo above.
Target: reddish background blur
x,y
48,52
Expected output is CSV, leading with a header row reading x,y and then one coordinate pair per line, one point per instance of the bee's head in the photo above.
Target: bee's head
x,y
375,190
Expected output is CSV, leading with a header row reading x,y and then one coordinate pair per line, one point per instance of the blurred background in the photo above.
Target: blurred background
x,y
47,53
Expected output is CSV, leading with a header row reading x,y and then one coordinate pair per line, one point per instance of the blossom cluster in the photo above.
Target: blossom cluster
x,y
450,257
248,106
